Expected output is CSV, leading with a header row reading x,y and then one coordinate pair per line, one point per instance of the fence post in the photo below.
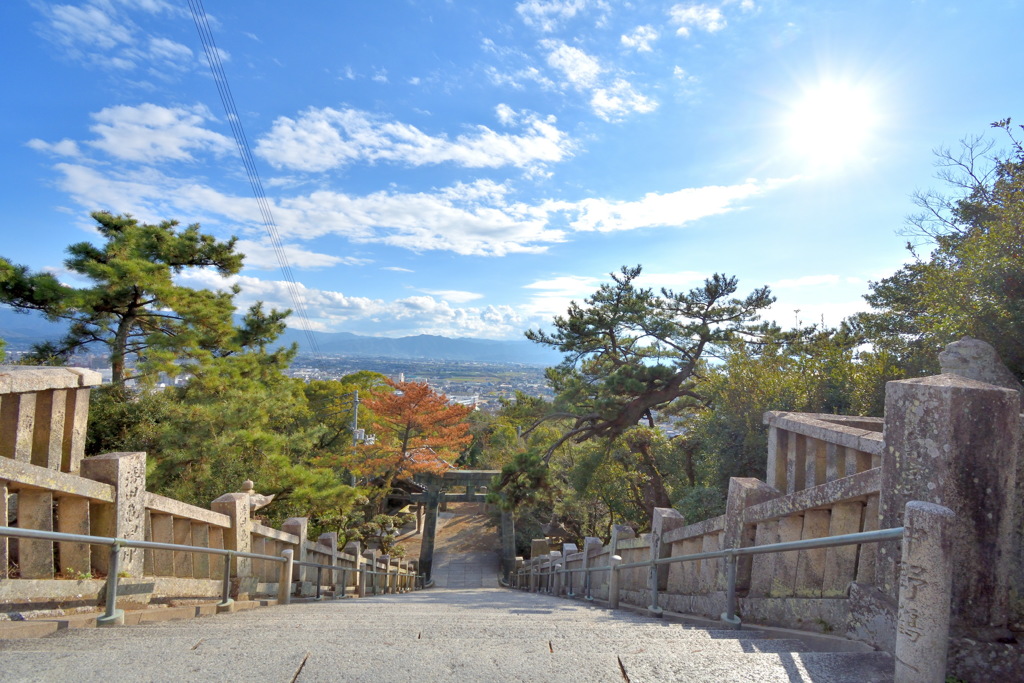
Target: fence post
x,y
591,546
284,585
126,518
925,593
113,616
665,519
613,581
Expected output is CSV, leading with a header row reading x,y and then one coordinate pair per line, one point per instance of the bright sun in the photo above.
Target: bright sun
x,y
832,124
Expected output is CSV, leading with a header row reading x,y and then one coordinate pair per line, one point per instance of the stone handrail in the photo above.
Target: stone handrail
x,y
808,449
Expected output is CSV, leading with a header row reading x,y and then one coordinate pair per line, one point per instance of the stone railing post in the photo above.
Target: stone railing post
x,y
330,540
613,581
926,575
591,546
743,492
126,518
508,544
386,579
665,520
239,536
299,526
354,548
955,442
571,578
554,577
539,547
370,583
284,581
433,504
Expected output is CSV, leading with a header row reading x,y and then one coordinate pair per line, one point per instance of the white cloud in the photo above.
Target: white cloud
x,y
263,256
478,218
611,98
640,39
553,295
579,68
453,295
64,148
702,17
150,132
669,209
618,100
332,310
397,269
321,139
101,34
506,114
548,14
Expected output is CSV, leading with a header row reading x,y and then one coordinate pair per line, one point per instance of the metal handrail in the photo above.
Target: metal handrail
x,y
112,615
730,555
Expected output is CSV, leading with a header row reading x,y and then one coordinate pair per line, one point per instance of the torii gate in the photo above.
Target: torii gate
x,y
431,500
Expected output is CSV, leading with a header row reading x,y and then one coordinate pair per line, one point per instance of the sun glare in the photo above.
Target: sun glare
x,y
832,124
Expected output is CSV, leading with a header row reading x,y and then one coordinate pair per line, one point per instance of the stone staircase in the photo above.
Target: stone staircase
x,y
484,634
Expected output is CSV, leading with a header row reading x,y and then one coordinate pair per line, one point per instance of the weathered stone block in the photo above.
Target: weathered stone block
x,y
35,511
126,518
955,442
73,518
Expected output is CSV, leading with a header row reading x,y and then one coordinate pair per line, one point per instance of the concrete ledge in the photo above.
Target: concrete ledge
x,y
86,620
26,629
150,616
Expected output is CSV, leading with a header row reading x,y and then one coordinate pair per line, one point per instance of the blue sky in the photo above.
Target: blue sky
x,y
466,168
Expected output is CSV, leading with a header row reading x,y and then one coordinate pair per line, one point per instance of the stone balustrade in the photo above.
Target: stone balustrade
x,y
946,440
46,483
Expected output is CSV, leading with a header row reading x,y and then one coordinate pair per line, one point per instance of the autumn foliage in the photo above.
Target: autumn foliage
x,y
416,430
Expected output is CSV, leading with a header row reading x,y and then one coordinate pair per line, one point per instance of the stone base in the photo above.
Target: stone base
x,y
972,660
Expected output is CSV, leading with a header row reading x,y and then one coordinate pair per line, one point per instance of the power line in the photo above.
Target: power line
x,y
228,101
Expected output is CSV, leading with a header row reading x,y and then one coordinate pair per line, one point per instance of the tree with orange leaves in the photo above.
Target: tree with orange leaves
x,y
416,430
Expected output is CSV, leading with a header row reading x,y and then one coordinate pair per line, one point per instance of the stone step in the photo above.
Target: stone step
x,y
820,667
290,663
186,640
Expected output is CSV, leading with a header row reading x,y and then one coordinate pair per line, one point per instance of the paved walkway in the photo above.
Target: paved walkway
x,y
466,551
483,634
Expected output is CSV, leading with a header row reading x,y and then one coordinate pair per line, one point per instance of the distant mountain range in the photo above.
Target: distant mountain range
x,y
21,330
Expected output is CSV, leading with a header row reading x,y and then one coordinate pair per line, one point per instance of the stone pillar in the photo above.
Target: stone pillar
x,y
35,511
385,582
126,518
330,540
17,425
954,442
554,582
429,532
354,549
926,573
76,420
162,528
665,520
239,536
48,435
539,547
613,581
508,544
370,582
620,532
743,493
299,526
591,546
4,547
284,580
572,579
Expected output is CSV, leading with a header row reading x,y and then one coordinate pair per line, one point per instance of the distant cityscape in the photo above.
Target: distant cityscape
x,y
476,383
